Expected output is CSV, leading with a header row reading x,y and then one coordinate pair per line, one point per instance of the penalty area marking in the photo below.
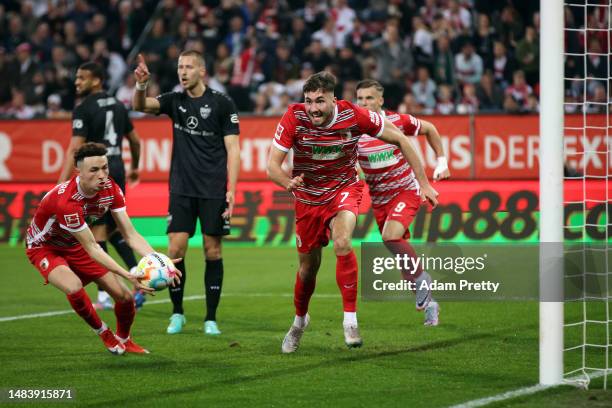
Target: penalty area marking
x,y
159,301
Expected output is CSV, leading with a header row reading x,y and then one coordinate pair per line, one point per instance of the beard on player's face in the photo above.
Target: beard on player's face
x,y
319,117
319,107
83,88
84,82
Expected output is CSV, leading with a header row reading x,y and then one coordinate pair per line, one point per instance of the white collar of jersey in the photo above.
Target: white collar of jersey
x,y
81,192
334,118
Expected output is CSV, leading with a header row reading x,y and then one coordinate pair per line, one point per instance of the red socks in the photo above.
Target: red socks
x,y
81,304
346,278
301,294
400,246
125,312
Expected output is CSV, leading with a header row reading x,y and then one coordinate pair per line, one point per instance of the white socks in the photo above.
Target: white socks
x,y
101,329
422,277
122,341
299,321
350,319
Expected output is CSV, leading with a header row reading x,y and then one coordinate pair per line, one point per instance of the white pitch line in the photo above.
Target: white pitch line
x,y
521,392
481,402
159,301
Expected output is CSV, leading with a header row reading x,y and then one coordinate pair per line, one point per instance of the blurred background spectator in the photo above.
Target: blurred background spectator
x,y
432,56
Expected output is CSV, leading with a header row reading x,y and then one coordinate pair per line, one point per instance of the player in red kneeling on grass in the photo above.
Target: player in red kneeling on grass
x,y
394,189
63,249
323,133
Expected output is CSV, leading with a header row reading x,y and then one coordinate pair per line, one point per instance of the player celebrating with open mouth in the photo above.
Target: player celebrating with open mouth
x,y
323,133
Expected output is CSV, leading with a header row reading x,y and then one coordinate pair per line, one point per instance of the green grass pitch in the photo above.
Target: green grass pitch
x,y
480,348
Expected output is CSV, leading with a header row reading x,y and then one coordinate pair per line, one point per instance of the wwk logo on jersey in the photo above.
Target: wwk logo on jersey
x,y
382,159
72,220
327,152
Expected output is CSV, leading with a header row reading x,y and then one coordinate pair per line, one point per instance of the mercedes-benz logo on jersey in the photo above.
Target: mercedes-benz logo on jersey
x,y
205,111
192,122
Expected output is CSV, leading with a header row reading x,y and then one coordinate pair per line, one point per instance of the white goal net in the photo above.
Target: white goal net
x,y
587,210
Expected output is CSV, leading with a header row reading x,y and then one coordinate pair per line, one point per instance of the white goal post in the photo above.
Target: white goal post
x,y
551,186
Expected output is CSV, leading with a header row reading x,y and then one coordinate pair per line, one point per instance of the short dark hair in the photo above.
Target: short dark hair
x,y
193,53
89,150
96,69
370,83
323,81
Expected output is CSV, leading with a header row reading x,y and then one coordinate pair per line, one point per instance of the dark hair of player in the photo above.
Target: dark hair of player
x,y
323,81
193,53
96,69
370,83
89,150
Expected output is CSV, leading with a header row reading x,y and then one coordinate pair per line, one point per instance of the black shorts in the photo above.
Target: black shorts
x,y
107,219
183,212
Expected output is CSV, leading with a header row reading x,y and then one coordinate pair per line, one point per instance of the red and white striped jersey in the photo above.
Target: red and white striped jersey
x,y
386,170
66,209
325,155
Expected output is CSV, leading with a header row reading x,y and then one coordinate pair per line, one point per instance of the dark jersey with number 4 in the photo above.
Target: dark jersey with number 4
x,y
103,119
199,157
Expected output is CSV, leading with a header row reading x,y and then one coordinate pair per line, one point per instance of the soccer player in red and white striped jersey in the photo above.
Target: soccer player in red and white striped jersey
x,y
394,189
323,133
61,246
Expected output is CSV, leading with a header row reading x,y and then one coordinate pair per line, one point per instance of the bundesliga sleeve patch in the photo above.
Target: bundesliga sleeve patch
x,y
72,220
279,131
77,124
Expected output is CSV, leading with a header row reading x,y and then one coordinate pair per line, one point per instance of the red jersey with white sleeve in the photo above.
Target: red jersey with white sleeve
x,y
386,170
325,155
66,209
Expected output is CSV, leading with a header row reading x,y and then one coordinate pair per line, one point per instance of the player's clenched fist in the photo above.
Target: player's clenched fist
x,y
296,182
142,71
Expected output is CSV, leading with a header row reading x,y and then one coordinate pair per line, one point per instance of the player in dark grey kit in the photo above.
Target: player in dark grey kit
x,y
100,118
203,173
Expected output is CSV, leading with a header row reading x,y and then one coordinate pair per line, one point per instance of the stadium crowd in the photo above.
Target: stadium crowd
x,y
432,56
